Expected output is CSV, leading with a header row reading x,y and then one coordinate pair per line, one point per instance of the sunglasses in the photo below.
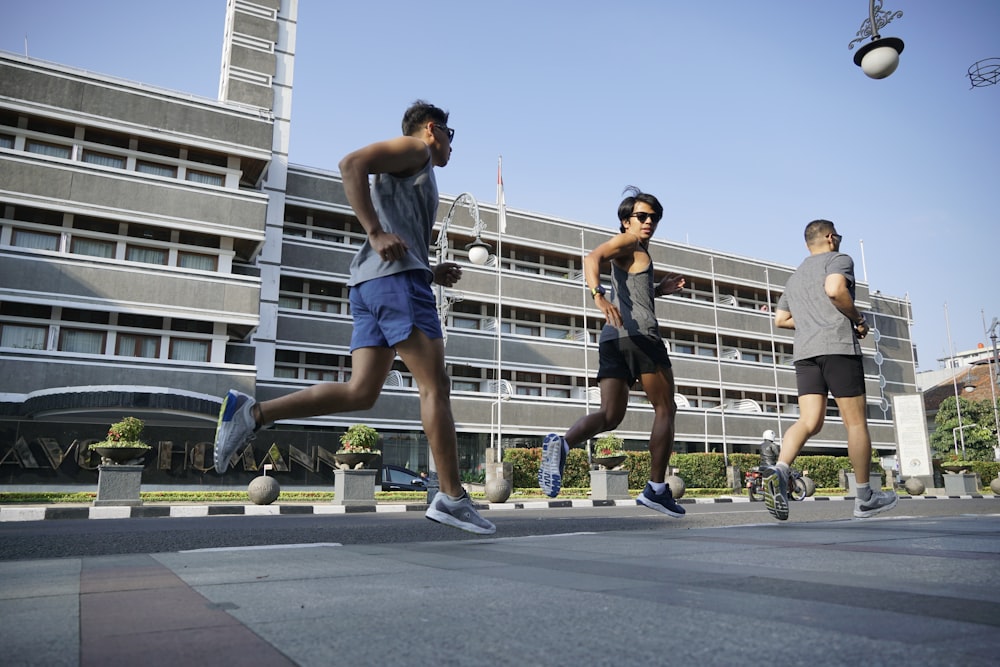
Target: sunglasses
x,y
447,130
642,217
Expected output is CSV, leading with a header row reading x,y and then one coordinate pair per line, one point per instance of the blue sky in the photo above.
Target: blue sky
x,y
747,119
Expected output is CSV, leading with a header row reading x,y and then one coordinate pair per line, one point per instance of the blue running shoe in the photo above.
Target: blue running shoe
x,y
661,502
554,450
775,484
235,429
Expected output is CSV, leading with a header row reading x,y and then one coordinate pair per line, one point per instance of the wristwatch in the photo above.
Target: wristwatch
x,y
594,291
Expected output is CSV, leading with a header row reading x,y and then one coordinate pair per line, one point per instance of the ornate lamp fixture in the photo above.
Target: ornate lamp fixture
x,y
880,57
985,72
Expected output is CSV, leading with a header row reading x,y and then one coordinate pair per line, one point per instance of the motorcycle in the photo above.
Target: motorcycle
x,y
799,486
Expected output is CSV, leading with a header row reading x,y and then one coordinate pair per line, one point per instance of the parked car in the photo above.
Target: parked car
x,y
398,478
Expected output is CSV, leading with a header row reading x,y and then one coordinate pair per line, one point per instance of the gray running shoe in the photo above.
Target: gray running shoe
x,y
881,501
459,514
235,429
775,484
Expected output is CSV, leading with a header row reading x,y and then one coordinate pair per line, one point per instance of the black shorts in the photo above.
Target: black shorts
x,y
628,358
842,375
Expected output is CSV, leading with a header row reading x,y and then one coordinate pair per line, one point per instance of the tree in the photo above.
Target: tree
x,y
978,429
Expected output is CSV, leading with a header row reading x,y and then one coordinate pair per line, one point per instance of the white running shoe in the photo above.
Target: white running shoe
x,y
554,449
235,429
881,501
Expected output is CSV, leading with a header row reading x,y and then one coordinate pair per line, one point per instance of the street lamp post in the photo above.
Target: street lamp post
x,y
880,57
994,381
954,381
479,252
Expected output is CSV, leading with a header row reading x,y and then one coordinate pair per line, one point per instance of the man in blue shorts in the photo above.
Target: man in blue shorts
x,y
818,303
630,349
393,308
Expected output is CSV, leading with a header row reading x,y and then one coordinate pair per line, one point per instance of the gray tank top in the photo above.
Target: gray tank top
x,y
405,207
634,298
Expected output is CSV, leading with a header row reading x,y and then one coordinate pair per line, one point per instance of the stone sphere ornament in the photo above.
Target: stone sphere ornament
x,y
263,490
995,486
914,486
498,490
677,486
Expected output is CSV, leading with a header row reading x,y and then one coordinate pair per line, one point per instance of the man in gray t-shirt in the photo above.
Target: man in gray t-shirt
x,y
818,303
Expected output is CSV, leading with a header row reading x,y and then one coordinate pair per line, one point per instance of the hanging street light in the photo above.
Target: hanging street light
x,y
880,57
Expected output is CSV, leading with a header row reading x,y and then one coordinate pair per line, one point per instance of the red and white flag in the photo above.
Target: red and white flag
x,y
501,204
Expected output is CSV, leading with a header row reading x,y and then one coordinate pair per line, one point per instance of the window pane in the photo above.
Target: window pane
x,y
206,178
6,141
92,247
156,169
190,260
189,350
289,302
130,345
104,159
22,337
51,150
24,238
84,342
147,255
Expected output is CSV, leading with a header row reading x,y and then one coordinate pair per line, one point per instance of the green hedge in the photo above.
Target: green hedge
x,y
698,470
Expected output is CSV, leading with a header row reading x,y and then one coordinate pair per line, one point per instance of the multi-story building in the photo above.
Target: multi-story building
x,y
157,249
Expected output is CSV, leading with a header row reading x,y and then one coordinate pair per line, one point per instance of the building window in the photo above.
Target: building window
x,y
133,345
6,141
104,159
155,169
51,150
23,238
192,260
23,337
183,349
205,178
135,253
92,247
82,341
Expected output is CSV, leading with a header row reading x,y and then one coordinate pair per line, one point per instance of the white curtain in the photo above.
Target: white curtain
x,y
93,247
104,159
187,260
189,350
207,179
147,255
83,342
48,149
130,345
23,337
36,240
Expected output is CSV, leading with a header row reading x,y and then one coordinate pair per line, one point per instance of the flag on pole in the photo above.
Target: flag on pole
x,y
501,204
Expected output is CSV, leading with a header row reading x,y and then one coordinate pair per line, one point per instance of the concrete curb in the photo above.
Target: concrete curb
x,y
46,512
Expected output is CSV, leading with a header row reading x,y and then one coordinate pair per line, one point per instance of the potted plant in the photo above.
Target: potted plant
x,y
358,447
609,451
123,444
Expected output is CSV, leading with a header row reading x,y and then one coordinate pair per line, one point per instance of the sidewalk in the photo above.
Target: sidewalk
x,y
40,512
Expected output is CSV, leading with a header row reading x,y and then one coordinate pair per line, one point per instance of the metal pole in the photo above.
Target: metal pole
x,y
994,379
954,378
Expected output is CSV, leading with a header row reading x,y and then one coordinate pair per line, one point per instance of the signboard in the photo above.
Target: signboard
x,y
912,443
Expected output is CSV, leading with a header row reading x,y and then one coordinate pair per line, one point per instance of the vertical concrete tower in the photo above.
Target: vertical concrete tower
x,y
258,58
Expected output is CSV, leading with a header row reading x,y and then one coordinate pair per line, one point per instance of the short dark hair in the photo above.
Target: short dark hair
x,y
817,229
628,204
421,113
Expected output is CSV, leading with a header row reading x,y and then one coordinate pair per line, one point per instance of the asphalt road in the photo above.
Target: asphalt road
x,y
101,537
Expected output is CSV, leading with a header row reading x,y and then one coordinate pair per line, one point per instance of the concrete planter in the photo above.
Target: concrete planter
x,y
609,484
354,487
118,485
959,484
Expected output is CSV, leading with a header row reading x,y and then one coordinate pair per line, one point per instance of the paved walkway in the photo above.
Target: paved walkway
x,y
38,512
885,591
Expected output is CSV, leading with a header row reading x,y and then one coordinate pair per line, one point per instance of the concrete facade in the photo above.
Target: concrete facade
x,y
157,249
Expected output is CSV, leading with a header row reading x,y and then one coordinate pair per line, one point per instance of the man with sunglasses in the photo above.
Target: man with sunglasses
x,y
818,303
393,308
630,349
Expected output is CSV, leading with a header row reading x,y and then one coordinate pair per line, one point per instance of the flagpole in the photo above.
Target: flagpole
x,y
501,228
